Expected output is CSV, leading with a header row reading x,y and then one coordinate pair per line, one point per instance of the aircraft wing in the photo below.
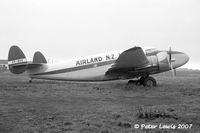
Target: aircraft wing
x,y
129,61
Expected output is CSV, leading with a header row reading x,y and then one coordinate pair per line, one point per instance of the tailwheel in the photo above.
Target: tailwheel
x,y
149,82
30,80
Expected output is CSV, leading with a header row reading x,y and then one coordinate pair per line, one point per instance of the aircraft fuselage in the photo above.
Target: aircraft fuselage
x,y
94,68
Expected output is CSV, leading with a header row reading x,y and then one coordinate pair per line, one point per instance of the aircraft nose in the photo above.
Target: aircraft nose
x,y
180,59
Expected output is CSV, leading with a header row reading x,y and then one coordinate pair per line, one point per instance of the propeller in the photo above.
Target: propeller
x,y
170,62
170,55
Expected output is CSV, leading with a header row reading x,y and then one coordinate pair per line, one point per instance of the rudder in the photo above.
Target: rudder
x,y
39,58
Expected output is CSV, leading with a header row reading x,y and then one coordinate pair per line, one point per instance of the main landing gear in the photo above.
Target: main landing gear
x,y
146,81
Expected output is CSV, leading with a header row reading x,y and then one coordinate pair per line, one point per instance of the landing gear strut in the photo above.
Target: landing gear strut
x,y
141,80
146,81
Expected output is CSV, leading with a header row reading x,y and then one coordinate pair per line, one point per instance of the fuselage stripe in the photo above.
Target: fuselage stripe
x,y
71,69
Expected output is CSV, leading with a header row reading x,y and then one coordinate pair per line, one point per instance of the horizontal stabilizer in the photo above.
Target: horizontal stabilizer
x,y
33,65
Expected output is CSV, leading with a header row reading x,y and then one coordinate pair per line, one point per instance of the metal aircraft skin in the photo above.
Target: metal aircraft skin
x,y
124,64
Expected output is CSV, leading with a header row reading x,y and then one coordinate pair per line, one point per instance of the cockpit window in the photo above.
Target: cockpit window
x,y
151,51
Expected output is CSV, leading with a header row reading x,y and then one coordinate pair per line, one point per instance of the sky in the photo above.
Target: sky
x,y
64,29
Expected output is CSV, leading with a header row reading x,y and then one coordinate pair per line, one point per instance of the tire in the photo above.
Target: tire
x,y
30,80
149,82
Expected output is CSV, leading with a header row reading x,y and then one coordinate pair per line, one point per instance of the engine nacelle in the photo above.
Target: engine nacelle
x,y
163,61
160,60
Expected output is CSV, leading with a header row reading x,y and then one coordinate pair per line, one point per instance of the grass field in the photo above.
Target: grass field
x,y
103,107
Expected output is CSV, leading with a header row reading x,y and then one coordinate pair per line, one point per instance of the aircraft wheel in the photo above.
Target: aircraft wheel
x,y
149,82
30,81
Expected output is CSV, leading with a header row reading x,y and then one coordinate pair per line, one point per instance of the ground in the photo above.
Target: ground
x,y
103,107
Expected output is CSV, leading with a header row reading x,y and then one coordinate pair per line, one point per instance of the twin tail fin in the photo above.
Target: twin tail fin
x,y
16,60
18,63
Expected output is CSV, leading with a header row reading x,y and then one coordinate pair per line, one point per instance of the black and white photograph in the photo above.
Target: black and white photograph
x,y
100,66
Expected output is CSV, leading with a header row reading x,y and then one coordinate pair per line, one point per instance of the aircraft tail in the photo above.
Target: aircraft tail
x,y
16,60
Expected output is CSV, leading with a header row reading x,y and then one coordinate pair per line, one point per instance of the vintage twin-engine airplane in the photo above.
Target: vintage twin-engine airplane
x,y
132,63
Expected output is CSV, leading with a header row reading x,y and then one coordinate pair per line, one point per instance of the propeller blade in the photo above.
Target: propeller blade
x,y
170,62
170,55
173,72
